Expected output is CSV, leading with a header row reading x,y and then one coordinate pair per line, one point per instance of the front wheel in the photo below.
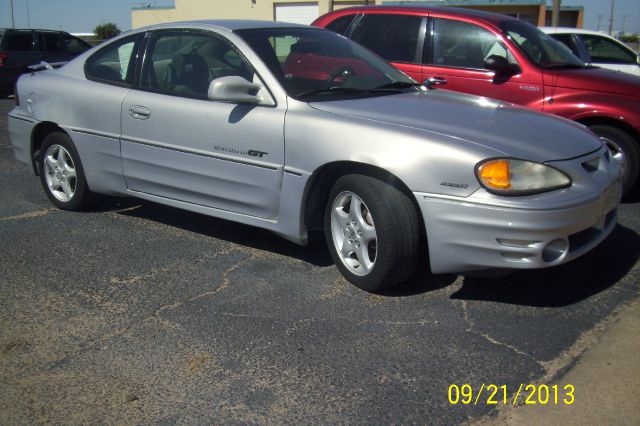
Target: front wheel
x,y
624,150
373,232
61,173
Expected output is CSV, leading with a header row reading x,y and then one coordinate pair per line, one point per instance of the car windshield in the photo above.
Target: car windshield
x,y
542,49
319,65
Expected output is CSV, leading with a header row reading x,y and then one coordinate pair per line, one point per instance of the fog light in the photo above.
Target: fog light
x,y
555,250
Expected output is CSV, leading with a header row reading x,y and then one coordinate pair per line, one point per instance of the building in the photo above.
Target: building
x,y
538,12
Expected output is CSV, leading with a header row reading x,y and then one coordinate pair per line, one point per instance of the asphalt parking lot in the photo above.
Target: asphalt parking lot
x,y
140,313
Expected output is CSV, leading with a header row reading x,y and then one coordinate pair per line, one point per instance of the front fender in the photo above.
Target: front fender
x,y
584,105
424,161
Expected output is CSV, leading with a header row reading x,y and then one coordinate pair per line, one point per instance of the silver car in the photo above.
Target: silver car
x,y
293,128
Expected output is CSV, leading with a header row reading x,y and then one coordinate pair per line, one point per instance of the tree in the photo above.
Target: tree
x,y
106,31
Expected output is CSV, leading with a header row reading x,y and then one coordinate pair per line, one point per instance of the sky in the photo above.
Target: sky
x,y
77,16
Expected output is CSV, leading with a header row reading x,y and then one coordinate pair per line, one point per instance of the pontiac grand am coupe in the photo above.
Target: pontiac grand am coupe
x,y
292,128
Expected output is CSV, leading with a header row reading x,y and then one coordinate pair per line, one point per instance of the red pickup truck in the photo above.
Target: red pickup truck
x,y
501,57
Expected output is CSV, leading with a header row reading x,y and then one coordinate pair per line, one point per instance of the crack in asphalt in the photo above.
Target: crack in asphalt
x,y
470,329
29,215
120,331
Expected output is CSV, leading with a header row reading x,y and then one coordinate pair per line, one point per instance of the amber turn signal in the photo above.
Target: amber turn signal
x,y
495,174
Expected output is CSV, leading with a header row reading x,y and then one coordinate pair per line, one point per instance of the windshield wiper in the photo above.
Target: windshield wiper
x,y
329,90
398,85
395,87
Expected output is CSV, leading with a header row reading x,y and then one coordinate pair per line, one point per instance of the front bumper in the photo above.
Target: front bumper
x,y
467,236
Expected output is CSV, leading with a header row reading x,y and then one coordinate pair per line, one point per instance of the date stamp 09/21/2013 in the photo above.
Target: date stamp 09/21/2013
x,y
492,394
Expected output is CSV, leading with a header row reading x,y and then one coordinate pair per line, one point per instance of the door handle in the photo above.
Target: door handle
x,y
139,112
431,82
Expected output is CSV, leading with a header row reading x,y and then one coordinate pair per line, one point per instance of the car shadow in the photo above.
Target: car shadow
x,y
559,286
563,285
633,196
315,253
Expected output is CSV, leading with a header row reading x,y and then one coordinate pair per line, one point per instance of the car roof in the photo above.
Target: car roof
x,y
228,24
31,29
563,30
494,18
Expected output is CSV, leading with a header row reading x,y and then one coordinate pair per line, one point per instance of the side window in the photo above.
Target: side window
x,y
52,42
462,45
567,40
184,63
18,40
341,25
115,62
394,37
604,50
75,45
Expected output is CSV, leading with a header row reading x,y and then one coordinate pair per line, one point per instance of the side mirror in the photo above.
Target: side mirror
x,y
234,89
501,66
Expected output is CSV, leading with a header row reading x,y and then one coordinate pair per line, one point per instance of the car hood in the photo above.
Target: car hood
x,y
512,130
595,79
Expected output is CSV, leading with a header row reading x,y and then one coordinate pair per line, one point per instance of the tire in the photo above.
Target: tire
x,y
372,230
624,149
61,173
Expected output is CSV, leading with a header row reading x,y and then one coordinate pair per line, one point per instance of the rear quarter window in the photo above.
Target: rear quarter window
x,y
75,45
341,25
114,63
567,40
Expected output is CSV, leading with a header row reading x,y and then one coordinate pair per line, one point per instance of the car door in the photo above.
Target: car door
x,y
179,145
454,56
396,38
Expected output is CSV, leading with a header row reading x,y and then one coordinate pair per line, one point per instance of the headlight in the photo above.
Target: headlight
x,y
507,176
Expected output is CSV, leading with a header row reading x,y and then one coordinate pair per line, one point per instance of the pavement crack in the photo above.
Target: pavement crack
x,y
471,329
225,284
28,215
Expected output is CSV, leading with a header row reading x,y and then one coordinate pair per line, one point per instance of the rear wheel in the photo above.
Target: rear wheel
x,y
373,232
625,151
61,173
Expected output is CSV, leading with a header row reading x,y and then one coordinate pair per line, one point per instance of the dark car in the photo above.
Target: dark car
x,y
501,57
20,48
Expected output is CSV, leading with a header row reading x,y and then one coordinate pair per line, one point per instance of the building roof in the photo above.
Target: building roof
x,y
470,3
229,24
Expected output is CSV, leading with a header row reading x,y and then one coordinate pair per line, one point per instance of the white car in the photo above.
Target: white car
x,y
598,49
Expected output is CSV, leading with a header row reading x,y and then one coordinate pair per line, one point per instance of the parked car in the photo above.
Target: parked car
x,y
20,48
291,128
598,49
504,58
